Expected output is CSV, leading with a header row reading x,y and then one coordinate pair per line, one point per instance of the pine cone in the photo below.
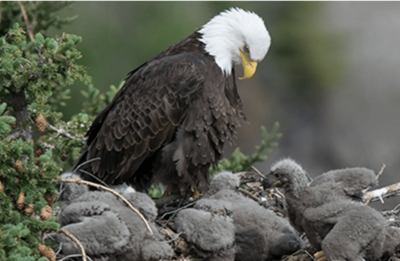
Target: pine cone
x,y
45,212
63,156
18,166
13,125
49,198
37,162
40,123
28,210
38,152
21,201
47,252
1,187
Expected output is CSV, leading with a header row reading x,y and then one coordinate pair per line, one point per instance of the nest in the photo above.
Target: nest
x,y
251,187
272,199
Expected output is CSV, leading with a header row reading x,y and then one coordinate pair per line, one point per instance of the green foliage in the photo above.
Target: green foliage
x,y
95,101
5,121
155,191
41,15
18,233
238,162
34,79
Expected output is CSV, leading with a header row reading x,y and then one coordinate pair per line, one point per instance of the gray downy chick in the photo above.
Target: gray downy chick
x,y
260,234
343,228
109,230
211,236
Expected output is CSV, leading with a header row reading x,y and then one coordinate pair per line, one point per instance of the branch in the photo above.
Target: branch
x,y
245,192
62,132
381,171
75,240
381,193
179,243
258,172
28,25
79,181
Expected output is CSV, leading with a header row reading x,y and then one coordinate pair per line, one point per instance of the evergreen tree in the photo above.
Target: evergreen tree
x,y
35,72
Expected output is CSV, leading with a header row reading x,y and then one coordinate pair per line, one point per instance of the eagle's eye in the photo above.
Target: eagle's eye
x,y
246,49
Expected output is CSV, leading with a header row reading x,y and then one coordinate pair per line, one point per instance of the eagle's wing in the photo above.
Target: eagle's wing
x,y
143,116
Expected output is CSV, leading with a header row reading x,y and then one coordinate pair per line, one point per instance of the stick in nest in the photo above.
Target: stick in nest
x,y
298,252
79,181
381,171
245,192
258,172
75,240
381,193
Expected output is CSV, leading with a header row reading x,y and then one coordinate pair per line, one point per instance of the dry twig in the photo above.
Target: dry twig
x,y
75,240
180,244
297,253
258,172
64,133
381,171
381,193
79,181
28,25
245,192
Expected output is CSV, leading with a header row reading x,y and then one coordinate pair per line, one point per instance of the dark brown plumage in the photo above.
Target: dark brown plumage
x,y
150,125
171,119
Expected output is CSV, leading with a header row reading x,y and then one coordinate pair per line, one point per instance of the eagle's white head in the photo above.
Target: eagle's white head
x,y
236,36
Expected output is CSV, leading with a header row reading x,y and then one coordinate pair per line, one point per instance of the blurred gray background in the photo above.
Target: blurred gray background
x,y
331,77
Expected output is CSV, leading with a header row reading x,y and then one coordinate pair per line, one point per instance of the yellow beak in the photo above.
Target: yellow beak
x,y
249,67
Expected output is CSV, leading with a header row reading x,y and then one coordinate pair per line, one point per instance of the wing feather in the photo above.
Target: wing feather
x,y
142,117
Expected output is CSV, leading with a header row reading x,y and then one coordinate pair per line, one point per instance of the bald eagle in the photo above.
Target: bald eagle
x,y
172,117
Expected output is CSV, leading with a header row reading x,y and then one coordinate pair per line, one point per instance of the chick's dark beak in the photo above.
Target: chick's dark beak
x,y
270,181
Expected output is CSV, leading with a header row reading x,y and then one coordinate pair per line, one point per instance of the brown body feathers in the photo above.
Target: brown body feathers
x,y
168,123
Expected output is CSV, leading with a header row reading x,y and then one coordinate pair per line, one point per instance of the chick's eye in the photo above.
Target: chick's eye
x,y
246,49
